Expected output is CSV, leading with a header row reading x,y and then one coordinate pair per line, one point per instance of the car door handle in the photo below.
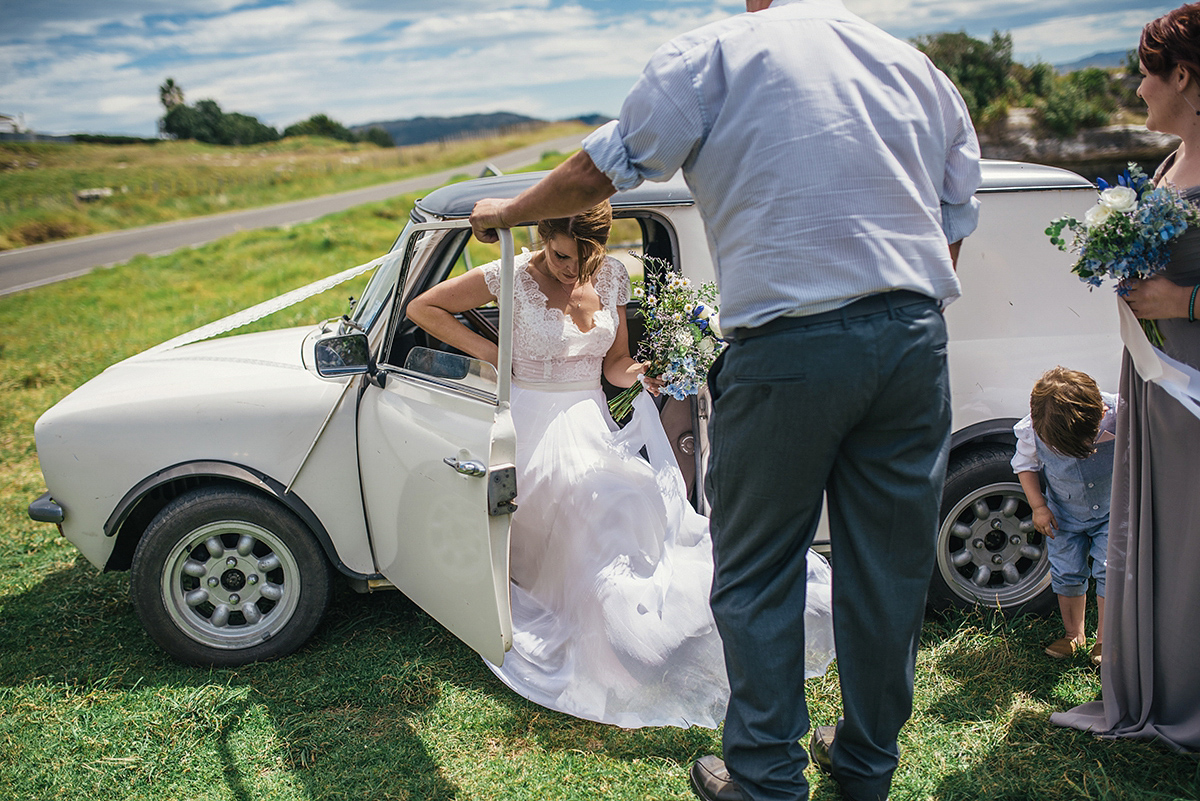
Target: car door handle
x,y
468,468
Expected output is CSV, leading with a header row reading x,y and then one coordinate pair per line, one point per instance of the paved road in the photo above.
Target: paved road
x,y
25,268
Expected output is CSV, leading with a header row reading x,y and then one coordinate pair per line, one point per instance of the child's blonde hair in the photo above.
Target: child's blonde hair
x,y
1067,409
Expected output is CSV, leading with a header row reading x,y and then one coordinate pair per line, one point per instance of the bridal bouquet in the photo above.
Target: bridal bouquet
x,y
683,334
1127,234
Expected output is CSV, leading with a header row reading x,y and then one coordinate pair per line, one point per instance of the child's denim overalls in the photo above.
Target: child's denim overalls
x,y
1078,493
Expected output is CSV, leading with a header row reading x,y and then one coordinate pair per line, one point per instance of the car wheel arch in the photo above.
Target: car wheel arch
x,y
133,514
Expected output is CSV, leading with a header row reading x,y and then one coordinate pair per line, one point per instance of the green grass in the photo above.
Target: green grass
x,y
383,703
172,180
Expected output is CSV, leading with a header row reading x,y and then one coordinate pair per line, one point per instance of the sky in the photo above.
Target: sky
x,y
95,66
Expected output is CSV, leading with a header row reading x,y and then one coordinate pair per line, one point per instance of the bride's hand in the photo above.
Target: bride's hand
x,y
652,384
1157,298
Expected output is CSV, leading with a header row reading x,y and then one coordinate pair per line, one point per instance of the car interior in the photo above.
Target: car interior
x,y
634,235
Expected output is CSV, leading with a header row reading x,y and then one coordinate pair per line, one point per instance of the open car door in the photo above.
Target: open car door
x,y
436,454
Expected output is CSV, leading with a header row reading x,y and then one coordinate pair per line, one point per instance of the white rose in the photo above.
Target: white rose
x,y
1097,214
707,347
714,325
1119,198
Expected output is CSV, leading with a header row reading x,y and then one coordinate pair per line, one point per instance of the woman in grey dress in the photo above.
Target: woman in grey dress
x,y
1152,649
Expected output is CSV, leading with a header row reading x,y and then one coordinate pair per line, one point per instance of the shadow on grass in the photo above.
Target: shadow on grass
x,y
993,662
349,715
1037,760
992,670
337,715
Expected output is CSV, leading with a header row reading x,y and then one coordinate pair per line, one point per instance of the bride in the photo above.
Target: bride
x,y
610,566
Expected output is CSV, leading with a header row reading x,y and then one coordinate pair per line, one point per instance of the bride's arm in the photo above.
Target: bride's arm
x,y
620,368
434,311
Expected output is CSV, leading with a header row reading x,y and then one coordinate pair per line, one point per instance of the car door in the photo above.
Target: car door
x,y
436,451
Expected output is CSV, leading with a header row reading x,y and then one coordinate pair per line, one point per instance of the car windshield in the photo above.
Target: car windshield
x,y
412,248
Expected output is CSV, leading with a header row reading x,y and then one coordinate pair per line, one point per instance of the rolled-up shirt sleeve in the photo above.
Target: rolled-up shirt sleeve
x,y
660,126
962,177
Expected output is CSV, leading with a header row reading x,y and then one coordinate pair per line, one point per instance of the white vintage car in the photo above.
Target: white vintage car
x,y
237,477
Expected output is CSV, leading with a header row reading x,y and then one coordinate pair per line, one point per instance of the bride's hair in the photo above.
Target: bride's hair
x,y
589,229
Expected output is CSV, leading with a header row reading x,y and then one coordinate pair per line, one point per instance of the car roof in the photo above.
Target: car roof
x,y
456,200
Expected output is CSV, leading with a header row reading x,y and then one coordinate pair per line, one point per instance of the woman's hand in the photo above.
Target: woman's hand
x,y
653,384
1157,298
434,311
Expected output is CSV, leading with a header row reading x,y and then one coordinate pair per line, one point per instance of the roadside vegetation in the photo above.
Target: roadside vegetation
x,y
43,185
992,84
383,703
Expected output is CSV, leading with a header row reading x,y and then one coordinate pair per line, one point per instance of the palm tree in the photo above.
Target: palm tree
x,y
170,94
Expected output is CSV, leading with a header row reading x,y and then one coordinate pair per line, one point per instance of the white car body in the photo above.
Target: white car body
x,y
398,474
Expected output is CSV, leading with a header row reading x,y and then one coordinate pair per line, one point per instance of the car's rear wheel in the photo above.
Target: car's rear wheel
x,y
223,576
988,552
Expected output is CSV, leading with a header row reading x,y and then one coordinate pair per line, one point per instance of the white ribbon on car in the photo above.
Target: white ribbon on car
x,y
1181,381
267,307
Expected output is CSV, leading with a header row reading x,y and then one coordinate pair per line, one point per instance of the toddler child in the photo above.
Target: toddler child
x,y
1068,437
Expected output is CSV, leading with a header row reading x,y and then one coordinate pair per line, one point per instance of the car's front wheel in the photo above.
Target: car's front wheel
x,y
223,576
988,552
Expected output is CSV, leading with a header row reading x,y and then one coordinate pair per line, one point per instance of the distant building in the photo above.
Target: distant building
x,y
8,124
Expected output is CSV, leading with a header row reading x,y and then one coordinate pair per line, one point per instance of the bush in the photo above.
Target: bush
x,y
1068,108
979,69
321,125
379,137
205,122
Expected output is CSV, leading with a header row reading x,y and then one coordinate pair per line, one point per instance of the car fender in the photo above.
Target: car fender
x,y
135,510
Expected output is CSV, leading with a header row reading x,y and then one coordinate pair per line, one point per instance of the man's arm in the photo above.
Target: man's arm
x,y
572,187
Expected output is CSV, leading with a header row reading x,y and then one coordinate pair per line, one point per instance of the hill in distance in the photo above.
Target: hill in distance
x,y
417,130
1114,58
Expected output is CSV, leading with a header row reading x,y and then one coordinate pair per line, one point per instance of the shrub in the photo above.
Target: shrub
x,y
1068,108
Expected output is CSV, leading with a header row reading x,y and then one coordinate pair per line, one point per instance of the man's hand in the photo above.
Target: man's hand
x,y
571,188
486,217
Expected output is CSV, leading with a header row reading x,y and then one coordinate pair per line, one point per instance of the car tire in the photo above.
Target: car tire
x,y
224,577
988,552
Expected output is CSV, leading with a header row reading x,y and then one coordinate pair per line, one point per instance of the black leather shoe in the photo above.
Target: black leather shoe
x,y
711,780
818,748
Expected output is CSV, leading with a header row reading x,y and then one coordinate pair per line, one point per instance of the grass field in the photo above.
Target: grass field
x,y
383,703
172,180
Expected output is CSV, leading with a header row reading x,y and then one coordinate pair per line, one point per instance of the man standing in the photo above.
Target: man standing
x,y
835,168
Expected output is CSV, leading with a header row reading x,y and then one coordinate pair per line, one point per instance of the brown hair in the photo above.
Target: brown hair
x,y
589,229
1172,40
1067,409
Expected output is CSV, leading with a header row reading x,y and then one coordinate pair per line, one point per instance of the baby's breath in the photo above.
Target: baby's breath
x,y
682,338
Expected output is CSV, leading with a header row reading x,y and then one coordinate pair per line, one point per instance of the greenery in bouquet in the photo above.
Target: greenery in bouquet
x,y
682,335
1127,234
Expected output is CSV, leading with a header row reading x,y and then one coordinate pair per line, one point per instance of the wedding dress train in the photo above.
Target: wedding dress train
x,y
611,566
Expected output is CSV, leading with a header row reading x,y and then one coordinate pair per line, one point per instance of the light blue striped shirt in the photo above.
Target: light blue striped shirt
x,y
829,160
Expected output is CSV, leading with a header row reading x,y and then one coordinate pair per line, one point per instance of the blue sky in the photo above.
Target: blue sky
x,y
69,66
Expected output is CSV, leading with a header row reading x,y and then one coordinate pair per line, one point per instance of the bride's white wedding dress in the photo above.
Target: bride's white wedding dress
x,y
611,567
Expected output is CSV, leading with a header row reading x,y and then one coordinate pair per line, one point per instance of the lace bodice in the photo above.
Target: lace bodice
x,y
548,348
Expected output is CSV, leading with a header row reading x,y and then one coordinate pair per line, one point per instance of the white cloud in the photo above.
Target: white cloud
x,y
74,65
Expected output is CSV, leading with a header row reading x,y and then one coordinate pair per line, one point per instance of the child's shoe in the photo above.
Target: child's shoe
x,y
1062,648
